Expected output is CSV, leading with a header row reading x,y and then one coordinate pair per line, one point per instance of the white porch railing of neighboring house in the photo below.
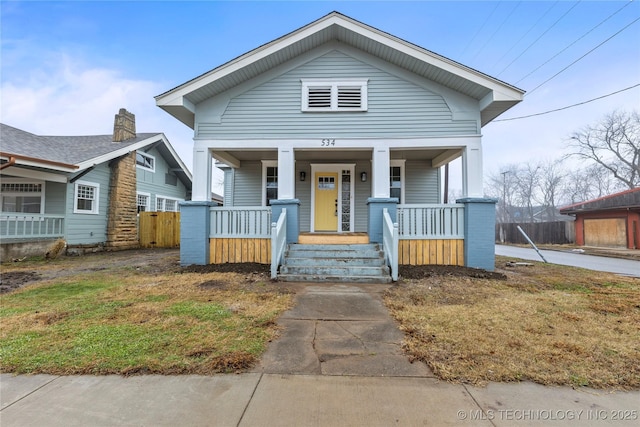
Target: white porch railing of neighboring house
x,y
441,221
25,226
278,242
240,222
390,243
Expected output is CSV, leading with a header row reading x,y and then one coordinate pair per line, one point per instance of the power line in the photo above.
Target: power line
x,y
582,57
539,37
574,42
568,106
496,30
481,27
528,31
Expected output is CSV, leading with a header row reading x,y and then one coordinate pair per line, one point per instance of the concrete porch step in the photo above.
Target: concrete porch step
x,y
298,260
351,263
332,270
333,279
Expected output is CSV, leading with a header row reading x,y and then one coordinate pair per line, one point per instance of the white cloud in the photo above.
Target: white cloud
x,y
68,97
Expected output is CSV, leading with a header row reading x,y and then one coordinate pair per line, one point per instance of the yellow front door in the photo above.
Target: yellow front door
x,y
326,203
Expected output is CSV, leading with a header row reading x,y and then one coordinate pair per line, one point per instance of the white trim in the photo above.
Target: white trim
x,y
149,157
401,164
263,187
95,210
148,196
440,142
34,174
333,167
23,194
175,199
334,86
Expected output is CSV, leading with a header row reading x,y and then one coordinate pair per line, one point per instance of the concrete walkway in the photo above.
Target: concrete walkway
x,y
338,362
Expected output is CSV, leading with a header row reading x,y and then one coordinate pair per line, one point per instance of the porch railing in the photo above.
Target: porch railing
x,y
245,222
442,221
390,243
278,242
25,226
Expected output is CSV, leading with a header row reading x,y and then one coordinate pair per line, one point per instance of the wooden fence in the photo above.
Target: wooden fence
x,y
159,229
555,233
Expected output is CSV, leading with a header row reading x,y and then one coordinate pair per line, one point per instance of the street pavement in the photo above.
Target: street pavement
x,y
338,362
599,263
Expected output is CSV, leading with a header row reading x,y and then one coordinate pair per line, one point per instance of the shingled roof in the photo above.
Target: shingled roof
x,y
70,154
71,150
629,199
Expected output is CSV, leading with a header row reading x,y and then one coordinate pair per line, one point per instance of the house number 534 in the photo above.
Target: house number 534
x,y
328,143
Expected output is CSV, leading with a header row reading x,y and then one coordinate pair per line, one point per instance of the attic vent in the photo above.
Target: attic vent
x,y
334,95
349,96
320,97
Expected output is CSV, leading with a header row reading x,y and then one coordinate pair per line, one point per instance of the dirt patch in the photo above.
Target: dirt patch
x,y
13,280
240,267
417,272
16,275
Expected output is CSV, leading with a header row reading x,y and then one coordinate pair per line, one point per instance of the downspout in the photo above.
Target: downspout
x,y
11,162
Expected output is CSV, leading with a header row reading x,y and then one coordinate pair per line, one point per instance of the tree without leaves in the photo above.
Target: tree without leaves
x,y
614,144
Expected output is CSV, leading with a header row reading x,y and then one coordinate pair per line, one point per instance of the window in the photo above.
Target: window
x,y
396,178
269,181
86,196
164,204
144,202
334,95
145,161
22,196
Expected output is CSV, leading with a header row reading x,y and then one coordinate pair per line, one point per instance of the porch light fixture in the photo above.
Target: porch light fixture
x,y
363,177
303,176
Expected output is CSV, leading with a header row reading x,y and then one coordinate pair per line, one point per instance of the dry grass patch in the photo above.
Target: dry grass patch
x,y
546,323
132,320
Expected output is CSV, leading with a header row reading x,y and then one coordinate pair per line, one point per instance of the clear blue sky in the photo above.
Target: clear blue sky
x,y
67,67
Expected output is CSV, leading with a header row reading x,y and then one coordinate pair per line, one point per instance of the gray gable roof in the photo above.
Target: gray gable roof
x,y
494,96
76,153
71,150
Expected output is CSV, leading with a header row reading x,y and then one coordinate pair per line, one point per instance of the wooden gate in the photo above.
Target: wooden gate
x,y
159,229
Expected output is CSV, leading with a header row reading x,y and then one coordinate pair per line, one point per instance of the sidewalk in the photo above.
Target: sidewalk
x,y
338,362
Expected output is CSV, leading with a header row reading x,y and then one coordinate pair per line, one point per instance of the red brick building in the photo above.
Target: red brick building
x,y
609,221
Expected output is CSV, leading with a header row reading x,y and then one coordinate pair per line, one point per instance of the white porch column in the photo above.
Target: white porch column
x,y
202,171
472,171
286,174
380,172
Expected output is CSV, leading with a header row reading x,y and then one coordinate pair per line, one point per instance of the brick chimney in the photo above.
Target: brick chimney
x,y
124,126
122,228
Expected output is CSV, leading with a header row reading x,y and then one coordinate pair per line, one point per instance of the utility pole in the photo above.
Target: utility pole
x,y
503,216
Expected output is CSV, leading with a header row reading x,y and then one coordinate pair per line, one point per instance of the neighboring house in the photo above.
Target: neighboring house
x,y
609,221
87,190
341,126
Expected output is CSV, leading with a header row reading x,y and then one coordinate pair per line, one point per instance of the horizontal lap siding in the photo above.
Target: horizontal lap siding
x,y
422,183
154,182
247,184
428,252
229,250
396,107
88,229
55,198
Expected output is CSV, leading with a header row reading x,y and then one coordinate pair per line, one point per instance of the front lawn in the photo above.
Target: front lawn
x,y
123,320
544,323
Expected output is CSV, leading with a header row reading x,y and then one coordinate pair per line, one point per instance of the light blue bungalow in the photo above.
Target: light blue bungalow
x,y
86,190
338,131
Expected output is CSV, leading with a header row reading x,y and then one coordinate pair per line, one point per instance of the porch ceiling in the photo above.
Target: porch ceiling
x,y
338,156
